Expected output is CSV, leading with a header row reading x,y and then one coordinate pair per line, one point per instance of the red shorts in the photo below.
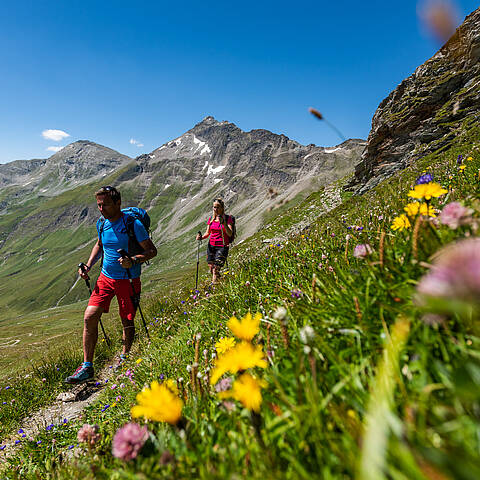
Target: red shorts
x,y
106,288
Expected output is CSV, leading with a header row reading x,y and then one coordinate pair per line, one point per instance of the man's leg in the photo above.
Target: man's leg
x,y
85,371
90,331
127,310
128,334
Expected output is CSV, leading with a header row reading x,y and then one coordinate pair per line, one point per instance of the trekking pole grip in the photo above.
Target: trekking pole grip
x,y
83,267
123,253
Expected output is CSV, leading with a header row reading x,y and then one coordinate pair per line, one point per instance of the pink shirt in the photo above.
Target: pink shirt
x,y
216,229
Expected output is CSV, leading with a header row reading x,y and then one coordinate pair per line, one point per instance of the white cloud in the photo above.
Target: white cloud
x,y
136,142
55,135
54,149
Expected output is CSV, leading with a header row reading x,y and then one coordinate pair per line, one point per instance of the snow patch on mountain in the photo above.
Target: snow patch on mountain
x,y
201,145
214,170
206,149
331,150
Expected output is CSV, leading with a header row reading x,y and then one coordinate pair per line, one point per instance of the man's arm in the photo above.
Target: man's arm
x,y
95,254
149,251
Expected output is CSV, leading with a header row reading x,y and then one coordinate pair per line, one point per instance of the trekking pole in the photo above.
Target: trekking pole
x,y
82,266
135,299
198,259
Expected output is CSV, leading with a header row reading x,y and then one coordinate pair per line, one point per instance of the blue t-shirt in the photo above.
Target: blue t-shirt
x,y
114,237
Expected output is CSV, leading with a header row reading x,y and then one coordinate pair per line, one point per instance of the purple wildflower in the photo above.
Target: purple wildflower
x,y
425,178
2,447
459,159
296,293
70,447
49,427
455,273
17,442
105,407
455,214
362,250
223,385
88,434
128,441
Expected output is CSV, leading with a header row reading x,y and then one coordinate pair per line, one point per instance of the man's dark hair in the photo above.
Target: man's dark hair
x,y
112,192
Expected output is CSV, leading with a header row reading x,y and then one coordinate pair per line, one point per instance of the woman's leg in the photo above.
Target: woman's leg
x,y
211,266
216,273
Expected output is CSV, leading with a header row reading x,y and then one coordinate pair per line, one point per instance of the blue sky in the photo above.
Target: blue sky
x,y
113,71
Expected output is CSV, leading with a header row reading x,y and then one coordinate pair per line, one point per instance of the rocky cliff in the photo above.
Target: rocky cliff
x,y
427,110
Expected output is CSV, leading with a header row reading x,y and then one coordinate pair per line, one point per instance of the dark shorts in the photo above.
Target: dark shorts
x,y
217,255
106,288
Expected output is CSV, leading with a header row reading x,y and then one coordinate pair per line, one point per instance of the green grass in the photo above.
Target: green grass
x,y
377,392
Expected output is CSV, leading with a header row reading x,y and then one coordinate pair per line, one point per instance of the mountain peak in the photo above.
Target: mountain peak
x,y
209,120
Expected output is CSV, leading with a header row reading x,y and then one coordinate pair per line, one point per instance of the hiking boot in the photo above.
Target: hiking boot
x,y
82,374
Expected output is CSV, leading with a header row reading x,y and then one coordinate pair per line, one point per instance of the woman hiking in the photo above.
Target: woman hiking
x,y
220,230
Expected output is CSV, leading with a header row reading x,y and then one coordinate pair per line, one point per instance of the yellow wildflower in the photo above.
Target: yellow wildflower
x,y
427,191
469,159
171,385
224,344
242,356
138,360
158,403
247,328
414,208
462,167
247,390
401,222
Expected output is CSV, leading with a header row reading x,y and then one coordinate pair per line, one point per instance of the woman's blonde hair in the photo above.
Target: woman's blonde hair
x,y
221,202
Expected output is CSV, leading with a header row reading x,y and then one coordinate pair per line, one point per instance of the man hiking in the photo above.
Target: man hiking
x,y
114,277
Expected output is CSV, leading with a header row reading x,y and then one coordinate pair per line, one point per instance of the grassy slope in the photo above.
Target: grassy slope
x,y
312,419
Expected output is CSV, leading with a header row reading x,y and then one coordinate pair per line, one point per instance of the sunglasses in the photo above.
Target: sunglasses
x,y
108,189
